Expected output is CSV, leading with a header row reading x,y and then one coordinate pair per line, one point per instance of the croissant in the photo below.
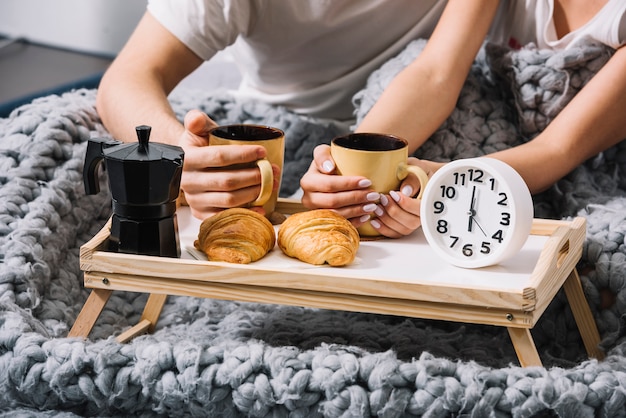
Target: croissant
x,y
236,235
318,237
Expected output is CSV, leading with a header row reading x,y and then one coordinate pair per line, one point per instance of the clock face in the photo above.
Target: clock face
x,y
476,212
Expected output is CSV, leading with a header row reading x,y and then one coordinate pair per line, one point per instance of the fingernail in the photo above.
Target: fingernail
x,y
379,211
375,223
370,207
365,183
407,190
394,195
328,166
383,200
364,218
373,196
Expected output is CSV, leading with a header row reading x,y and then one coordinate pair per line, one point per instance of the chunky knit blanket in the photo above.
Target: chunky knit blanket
x,y
216,358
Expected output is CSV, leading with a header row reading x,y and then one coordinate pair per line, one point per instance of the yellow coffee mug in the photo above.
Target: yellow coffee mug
x,y
272,139
381,158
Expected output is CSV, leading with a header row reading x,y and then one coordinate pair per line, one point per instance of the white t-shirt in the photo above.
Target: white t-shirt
x,y
313,56
520,22
310,56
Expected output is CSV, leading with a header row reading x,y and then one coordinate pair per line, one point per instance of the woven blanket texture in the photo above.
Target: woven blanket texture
x,y
229,359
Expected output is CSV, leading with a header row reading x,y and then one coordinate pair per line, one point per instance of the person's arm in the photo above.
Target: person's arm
x,y
134,91
413,106
592,122
422,96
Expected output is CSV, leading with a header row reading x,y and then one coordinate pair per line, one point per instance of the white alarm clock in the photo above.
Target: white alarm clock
x,y
476,212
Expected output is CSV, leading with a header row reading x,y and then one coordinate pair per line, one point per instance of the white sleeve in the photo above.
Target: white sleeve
x,y
205,26
621,31
611,27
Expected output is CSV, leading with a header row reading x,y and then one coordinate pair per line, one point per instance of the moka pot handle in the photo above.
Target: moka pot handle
x,y
93,156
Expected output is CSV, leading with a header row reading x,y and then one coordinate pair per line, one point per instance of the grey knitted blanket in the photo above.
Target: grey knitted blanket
x,y
217,358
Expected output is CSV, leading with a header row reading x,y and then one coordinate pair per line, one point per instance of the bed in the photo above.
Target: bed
x,y
208,357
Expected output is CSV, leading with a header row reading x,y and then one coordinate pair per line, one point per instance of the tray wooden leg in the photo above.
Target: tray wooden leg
x,y
90,312
524,346
583,316
148,320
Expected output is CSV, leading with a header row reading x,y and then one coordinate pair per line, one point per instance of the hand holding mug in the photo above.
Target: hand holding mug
x,y
272,140
219,177
360,192
383,159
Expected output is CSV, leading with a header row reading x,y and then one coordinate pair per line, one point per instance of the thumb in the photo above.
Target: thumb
x,y
198,123
410,186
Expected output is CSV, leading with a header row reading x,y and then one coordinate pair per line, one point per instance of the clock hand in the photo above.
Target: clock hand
x,y
473,200
472,212
478,225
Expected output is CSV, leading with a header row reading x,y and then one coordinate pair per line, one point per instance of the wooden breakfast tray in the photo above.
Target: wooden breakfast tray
x,y
390,276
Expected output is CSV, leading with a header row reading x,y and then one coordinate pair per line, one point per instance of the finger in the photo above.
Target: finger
x,y
410,186
349,203
316,181
276,172
358,211
198,123
207,211
198,126
401,215
209,201
430,167
216,156
203,213
385,230
399,203
323,160
390,227
221,180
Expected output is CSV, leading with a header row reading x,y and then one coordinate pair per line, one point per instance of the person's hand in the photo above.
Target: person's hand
x,y
350,196
208,182
401,211
394,215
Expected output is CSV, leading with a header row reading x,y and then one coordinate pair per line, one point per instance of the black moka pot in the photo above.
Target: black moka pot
x,y
144,179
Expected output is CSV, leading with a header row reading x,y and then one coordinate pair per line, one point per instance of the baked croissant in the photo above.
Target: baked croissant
x,y
236,235
318,237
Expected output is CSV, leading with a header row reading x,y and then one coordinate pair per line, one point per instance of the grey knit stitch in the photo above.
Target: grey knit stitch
x,y
218,358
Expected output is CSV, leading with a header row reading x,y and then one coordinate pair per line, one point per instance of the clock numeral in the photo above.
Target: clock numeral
x,y
498,236
503,201
454,240
439,206
493,183
476,175
459,179
468,249
442,226
448,192
506,218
